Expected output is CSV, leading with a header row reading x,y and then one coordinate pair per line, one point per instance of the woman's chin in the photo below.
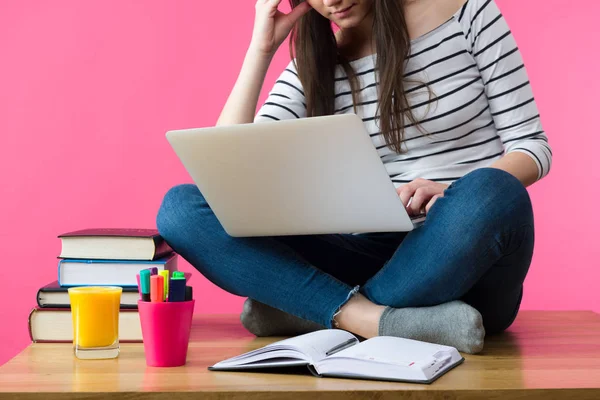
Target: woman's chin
x,y
347,23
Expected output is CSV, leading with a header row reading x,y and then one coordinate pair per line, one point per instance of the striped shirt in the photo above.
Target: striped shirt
x,y
483,106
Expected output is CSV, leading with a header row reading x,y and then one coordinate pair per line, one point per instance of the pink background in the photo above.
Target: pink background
x,y
88,89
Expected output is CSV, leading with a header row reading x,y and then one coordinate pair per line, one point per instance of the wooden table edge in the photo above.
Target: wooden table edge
x,y
416,394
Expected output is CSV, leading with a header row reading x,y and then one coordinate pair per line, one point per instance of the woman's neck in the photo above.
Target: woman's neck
x,y
421,17
357,42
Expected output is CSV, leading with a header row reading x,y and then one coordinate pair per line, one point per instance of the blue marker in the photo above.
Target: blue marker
x,y
189,293
176,289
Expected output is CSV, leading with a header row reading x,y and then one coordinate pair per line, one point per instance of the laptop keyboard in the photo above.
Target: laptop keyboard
x,y
418,220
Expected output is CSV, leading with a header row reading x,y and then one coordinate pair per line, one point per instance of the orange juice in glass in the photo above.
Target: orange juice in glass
x,y
95,312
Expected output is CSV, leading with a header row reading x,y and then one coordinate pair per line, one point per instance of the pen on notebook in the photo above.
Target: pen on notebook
x,y
153,271
177,288
145,284
341,346
157,289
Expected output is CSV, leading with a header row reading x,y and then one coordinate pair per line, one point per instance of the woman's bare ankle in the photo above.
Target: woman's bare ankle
x,y
360,316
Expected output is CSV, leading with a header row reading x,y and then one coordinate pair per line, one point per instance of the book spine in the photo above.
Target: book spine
x,y
37,297
313,371
33,310
161,247
62,246
58,272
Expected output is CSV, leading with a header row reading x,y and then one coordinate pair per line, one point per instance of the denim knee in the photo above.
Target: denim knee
x,y
174,209
494,187
500,179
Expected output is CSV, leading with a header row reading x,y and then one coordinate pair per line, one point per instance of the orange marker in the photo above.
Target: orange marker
x,y
157,288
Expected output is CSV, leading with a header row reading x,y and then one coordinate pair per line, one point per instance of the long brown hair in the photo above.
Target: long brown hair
x,y
316,54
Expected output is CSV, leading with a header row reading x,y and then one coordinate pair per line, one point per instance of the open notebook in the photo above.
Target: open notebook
x,y
337,353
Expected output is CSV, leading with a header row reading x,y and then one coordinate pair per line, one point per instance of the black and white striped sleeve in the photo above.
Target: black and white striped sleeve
x,y
507,85
285,100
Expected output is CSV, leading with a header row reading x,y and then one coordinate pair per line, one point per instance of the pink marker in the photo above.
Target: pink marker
x,y
137,276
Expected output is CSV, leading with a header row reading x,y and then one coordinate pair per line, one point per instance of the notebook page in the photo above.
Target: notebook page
x,y
316,344
397,351
276,357
390,358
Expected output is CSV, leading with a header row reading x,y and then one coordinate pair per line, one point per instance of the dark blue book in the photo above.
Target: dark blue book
x,y
55,296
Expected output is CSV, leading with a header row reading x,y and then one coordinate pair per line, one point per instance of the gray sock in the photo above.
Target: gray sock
x,y
453,324
263,320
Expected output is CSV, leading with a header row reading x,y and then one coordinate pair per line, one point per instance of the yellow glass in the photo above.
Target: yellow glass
x,y
95,312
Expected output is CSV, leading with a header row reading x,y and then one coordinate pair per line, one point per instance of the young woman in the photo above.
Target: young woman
x,y
442,90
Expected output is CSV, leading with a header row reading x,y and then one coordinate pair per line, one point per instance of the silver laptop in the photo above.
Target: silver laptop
x,y
304,176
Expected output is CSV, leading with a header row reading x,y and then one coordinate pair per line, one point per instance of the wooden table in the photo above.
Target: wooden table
x,y
544,355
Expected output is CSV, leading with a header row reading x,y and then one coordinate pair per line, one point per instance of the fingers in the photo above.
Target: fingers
x,y
420,199
431,202
419,195
298,12
407,191
267,4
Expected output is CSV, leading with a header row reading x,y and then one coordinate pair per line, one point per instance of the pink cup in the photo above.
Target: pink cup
x,y
166,331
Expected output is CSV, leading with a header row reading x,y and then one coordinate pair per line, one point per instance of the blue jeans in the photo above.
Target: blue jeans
x,y
475,245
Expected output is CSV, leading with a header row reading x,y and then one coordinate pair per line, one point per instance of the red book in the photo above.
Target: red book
x,y
54,325
114,244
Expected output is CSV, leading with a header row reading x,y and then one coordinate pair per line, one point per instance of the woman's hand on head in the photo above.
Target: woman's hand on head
x,y
271,26
424,193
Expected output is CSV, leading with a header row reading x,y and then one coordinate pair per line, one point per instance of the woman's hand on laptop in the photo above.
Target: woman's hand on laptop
x,y
424,193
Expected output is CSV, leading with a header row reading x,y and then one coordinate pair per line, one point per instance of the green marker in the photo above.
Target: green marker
x,y
177,287
178,275
145,284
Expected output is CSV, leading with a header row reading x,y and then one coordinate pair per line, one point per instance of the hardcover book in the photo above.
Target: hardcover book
x,y
114,243
83,272
55,325
53,295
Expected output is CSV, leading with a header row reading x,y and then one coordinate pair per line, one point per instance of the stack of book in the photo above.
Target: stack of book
x,y
99,257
